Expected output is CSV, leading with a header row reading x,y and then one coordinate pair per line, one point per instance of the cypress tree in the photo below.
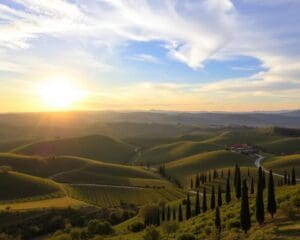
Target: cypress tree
x,y
192,184
271,196
252,185
248,172
228,172
168,214
245,218
197,181
288,179
204,204
219,196
209,177
238,187
212,198
163,213
235,174
197,207
188,208
293,176
263,180
157,217
222,173
180,217
218,219
285,177
174,214
260,211
228,191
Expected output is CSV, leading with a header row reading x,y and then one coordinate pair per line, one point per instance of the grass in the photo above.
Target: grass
x,y
281,163
94,146
18,186
61,202
281,146
114,196
184,167
172,151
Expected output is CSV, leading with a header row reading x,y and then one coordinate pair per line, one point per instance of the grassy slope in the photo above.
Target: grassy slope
x,y
41,166
95,147
281,163
184,167
281,228
169,152
14,186
289,145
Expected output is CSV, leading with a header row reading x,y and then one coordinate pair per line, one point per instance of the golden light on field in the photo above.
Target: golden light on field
x,y
59,93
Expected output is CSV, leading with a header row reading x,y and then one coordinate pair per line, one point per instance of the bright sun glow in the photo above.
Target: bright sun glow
x,y
59,93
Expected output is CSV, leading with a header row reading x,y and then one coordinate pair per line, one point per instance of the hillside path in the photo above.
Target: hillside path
x,y
257,163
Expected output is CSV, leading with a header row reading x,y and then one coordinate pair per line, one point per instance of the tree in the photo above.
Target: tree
x,y
168,214
163,213
188,208
197,181
222,173
219,196
212,198
285,177
238,187
197,207
204,204
218,219
174,214
260,211
271,196
245,218
228,172
228,191
235,174
252,185
263,180
180,217
293,176
192,184
248,172
151,233
288,179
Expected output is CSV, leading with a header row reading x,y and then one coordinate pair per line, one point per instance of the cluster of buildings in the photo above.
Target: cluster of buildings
x,y
243,148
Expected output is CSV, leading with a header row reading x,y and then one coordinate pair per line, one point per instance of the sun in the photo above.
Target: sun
x,y
59,93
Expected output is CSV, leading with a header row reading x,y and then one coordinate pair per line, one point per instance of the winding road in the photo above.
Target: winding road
x,y
257,163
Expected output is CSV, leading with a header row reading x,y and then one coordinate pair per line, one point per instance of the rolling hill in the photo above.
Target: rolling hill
x,y
184,167
169,152
94,146
281,163
284,146
16,186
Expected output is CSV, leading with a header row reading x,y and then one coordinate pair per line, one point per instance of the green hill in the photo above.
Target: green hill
x,y
16,186
169,152
41,166
184,167
95,146
281,163
289,145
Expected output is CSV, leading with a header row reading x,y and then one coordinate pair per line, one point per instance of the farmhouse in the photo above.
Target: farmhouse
x,y
243,148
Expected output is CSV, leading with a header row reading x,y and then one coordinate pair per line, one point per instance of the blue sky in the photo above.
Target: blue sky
x,y
188,55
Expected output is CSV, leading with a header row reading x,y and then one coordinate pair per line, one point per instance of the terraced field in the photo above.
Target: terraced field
x,y
107,196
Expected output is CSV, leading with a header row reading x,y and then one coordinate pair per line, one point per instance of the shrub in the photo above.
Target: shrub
x,y
186,236
170,227
151,233
136,227
97,227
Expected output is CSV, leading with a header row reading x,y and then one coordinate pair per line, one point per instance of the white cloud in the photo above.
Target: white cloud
x,y
192,31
